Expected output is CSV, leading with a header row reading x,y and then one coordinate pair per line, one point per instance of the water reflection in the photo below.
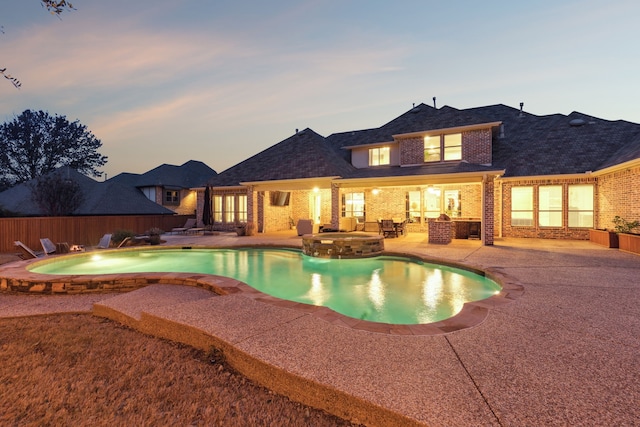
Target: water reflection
x,y
383,289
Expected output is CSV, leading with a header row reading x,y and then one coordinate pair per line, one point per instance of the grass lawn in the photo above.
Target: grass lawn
x,y
85,370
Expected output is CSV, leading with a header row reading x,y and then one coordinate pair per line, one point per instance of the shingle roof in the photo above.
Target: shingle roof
x,y
303,155
529,145
99,198
188,175
559,144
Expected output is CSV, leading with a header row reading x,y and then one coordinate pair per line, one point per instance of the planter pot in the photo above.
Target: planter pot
x,y
240,231
629,243
606,238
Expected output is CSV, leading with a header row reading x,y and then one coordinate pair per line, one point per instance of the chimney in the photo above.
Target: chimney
x,y
434,102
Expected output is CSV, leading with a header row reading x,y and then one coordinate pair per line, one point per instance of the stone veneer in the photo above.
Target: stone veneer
x,y
342,245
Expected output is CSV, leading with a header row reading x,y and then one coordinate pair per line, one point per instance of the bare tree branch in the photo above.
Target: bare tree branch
x,y
55,8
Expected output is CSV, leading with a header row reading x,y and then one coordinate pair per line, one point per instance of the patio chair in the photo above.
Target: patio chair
x,y
25,251
190,223
388,228
305,226
48,246
104,242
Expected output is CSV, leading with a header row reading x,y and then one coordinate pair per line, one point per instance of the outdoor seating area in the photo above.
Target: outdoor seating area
x,y
392,227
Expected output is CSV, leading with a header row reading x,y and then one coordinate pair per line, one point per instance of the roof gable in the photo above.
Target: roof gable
x,y
306,154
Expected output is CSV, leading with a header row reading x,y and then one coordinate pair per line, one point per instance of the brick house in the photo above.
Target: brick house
x,y
170,186
498,168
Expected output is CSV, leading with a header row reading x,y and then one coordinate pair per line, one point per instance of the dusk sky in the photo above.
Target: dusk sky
x,y
219,81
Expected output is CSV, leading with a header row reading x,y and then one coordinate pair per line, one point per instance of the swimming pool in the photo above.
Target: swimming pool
x,y
385,289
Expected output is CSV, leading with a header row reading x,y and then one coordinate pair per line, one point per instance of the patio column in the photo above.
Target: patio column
x,y
252,205
487,210
335,206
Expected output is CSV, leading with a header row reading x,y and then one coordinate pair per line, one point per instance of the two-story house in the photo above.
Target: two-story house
x,y
511,172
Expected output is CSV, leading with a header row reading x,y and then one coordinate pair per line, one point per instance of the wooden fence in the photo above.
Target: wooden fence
x,y
78,230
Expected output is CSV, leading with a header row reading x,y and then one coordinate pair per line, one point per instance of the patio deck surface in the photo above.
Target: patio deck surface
x,y
566,352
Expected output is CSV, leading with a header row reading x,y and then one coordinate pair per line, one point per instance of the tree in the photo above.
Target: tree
x,y
35,143
55,8
57,196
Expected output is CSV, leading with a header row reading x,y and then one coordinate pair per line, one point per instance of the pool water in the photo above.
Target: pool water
x,y
384,289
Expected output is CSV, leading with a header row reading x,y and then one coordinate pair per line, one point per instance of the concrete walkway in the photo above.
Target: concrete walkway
x,y
564,353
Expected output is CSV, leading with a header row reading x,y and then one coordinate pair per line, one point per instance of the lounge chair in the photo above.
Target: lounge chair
x,y
48,246
104,242
190,223
26,252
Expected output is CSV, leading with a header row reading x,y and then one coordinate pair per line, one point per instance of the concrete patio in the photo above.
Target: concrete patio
x,y
566,352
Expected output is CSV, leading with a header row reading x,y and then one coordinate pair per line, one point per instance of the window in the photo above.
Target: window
x,y
217,208
413,206
171,197
453,147
581,205
438,148
550,206
353,205
432,202
242,208
522,206
452,203
432,148
229,213
379,156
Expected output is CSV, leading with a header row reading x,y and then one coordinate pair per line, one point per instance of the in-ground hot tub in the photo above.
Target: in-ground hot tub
x,y
342,245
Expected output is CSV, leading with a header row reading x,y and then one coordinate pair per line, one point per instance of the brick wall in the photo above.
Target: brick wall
x,y
411,151
476,146
535,231
618,193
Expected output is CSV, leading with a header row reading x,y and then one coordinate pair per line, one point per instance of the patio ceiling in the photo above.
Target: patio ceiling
x,y
292,184
395,181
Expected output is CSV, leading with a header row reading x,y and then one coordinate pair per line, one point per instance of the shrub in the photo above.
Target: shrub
x,y
119,235
624,226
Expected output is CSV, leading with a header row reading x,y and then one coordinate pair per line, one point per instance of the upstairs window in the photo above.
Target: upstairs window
x,y
432,148
171,197
379,156
443,148
453,147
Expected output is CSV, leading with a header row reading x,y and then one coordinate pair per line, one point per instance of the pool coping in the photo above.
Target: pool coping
x,y
14,277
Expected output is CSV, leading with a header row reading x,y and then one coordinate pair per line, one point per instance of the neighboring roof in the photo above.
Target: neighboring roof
x,y
303,155
99,198
188,175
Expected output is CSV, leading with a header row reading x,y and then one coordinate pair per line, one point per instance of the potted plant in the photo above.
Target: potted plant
x,y
154,236
250,229
628,241
247,229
